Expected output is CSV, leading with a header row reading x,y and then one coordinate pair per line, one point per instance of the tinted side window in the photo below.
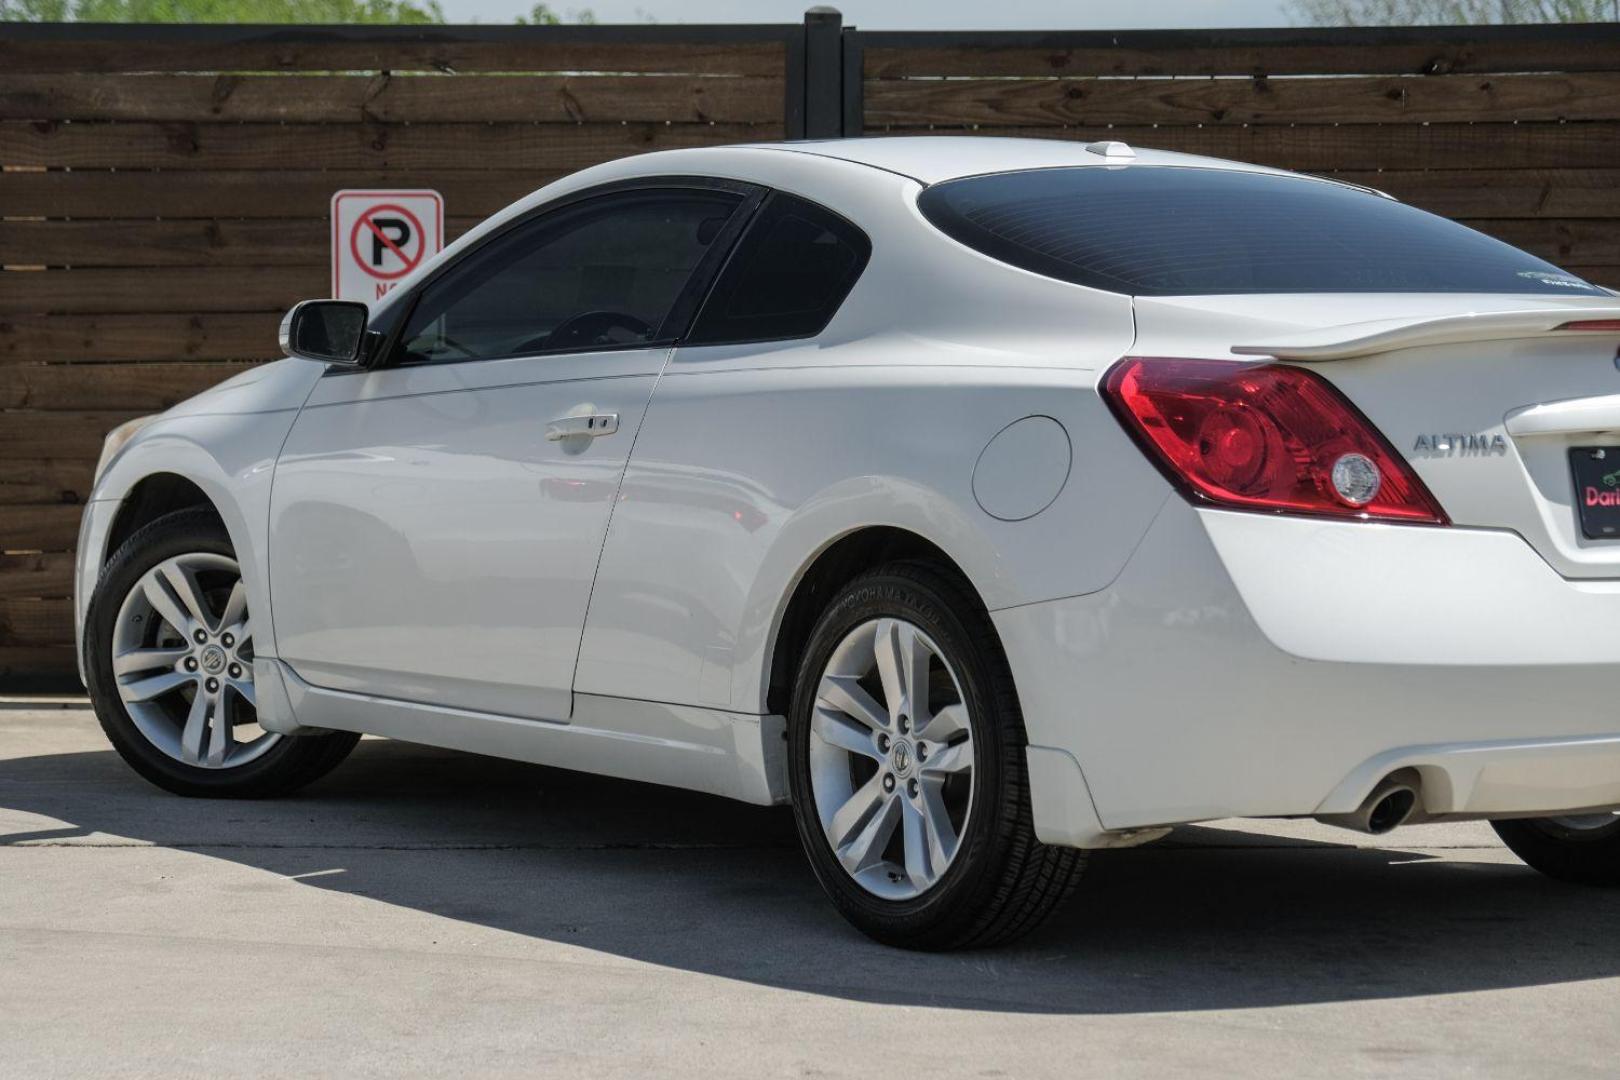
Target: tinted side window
x,y
1162,231
602,274
787,277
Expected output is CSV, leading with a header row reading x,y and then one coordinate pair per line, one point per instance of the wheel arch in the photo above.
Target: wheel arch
x,y
149,498
224,462
828,570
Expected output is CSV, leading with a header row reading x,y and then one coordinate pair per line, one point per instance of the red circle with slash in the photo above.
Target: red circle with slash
x,y
365,222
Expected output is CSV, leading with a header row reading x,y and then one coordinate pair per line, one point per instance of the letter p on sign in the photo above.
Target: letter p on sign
x,y
379,237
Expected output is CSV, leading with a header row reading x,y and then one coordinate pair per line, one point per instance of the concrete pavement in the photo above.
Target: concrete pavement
x,y
425,913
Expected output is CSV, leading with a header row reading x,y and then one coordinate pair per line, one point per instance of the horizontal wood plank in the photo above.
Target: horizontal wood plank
x,y
52,436
393,98
1319,148
178,145
289,193
178,243
1429,51
1423,99
308,243
26,668
152,387
1509,193
35,480
181,290
440,49
1607,276
144,338
41,575
36,622
1485,192
1585,242
44,527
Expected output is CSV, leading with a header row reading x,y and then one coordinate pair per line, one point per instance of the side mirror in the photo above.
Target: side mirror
x,y
328,331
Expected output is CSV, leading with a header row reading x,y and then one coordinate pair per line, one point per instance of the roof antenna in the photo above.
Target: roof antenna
x,y
1111,149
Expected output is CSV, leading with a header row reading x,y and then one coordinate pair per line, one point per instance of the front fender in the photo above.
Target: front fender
x,y
231,459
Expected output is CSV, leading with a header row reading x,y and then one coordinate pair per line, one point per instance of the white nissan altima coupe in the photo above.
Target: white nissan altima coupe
x,y
988,501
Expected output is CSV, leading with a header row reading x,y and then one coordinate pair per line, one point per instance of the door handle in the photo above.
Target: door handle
x,y
590,426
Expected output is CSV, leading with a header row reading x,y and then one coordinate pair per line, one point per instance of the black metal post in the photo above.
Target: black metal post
x,y
854,83
823,73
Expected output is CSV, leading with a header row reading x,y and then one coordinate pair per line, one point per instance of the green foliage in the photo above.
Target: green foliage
x,y
254,11
542,15
1453,12
223,11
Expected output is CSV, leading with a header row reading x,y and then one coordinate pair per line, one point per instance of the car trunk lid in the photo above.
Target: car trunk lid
x,y
1490,398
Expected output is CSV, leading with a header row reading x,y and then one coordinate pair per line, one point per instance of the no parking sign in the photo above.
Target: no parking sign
x,y
379,237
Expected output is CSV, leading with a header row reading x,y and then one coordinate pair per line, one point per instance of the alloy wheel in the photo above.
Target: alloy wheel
x,y
1587,823
891,758
182,658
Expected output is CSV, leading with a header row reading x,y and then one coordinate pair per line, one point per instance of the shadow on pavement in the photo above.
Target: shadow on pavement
x,y
1210,919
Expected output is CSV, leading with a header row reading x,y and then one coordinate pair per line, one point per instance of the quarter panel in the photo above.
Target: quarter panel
x,y
741,477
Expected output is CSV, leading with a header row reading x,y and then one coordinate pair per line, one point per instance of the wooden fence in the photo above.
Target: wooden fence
x,y
165,196
1513,130
165,189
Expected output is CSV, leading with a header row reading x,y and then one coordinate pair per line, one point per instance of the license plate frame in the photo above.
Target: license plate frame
x,y
1596,473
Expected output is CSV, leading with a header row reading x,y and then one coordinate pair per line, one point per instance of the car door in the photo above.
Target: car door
x,y
436,522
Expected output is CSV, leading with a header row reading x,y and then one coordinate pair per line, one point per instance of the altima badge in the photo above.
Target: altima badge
x,y
1459,445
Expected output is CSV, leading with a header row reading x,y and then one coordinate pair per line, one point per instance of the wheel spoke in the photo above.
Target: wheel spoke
x,y
866,850
156,588
843,693
902,663
950,759
128,663
179,578
235,610
196,724
940,832
244,688
153,686
856,809
219,731
919,868
946,724
836,729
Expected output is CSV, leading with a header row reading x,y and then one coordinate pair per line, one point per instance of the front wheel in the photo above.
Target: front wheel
x,y
169,657
907,768
1580,848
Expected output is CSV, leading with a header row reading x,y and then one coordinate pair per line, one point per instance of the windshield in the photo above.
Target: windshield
x,y
1174,231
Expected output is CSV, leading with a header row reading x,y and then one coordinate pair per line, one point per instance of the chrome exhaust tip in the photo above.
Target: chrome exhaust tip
x,y
1390,811
1390,805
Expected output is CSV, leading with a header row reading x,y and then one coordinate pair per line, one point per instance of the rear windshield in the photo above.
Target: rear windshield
x,y
1174,231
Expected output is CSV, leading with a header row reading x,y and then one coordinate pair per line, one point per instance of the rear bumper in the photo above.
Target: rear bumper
x,y
1244,665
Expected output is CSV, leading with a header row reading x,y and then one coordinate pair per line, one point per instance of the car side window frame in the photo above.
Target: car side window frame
x,y
757,219
683,311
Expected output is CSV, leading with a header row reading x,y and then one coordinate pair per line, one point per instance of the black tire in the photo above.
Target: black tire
x,y
290,764
1589,856
1002,882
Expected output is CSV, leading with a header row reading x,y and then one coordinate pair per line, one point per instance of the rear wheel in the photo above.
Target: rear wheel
x,y
1581,848
908,771
169,657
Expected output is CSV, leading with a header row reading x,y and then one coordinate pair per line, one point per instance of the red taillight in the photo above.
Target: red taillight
x,y
1592,326
1265,437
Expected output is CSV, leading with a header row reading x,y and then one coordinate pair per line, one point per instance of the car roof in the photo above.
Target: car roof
x,y
930,159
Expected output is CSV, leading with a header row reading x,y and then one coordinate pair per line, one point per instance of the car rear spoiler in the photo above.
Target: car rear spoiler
x,y
1386,335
